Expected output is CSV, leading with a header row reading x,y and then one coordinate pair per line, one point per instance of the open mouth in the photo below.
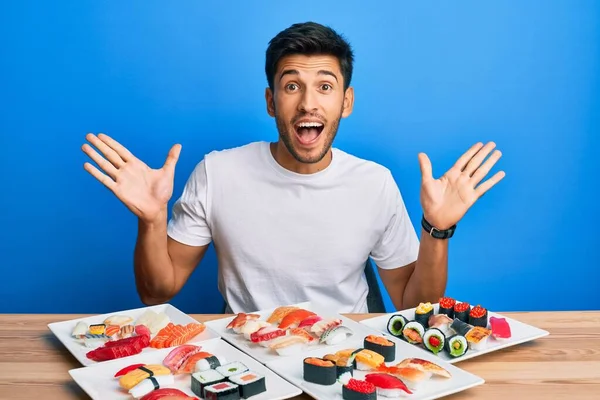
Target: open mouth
x,y
308,132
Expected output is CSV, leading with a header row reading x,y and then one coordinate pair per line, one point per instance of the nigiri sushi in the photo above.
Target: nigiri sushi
x,y
177,357
335,335
412,377
500,328
441,322
320,327
264,335
368,360
149,384
310,321
279,313
293,319
240,320
132,378
387,385
424,365
288,345
80,330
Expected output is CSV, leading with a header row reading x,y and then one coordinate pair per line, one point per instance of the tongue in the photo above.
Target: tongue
x,y
307,135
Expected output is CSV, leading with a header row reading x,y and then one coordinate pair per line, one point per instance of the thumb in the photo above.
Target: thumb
x,y
425,164
172,157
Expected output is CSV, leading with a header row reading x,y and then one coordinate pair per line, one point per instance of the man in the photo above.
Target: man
x,y
294,220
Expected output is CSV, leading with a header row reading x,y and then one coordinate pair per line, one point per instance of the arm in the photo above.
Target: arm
x,y
421,281
161,264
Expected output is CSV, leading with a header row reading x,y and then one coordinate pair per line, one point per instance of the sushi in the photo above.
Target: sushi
x,y
367,360
201,380
477,337
132,378
461,311
279,313
222,391
80,330
478,316
149,384
456,346
425,366
396,324
310,321
446,306
288,345
120,320
293,319
152,320
422,314
318,328
343,364
460,327
265,335
355,389
170,393
500,328
251,326
441,322
250,383
178,357
413,332
232,368
335,335
411,376
387,385
434,340
97,329
319,371
381,345
210,362
240,320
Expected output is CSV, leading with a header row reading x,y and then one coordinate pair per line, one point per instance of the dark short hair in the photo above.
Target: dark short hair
x,y
309,38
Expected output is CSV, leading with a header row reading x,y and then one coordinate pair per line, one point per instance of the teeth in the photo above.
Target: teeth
x,y
310,125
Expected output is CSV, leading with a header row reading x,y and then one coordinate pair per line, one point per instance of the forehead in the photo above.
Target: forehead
x,y
309,65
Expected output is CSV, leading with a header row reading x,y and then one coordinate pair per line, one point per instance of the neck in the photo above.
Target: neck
x,y
286,160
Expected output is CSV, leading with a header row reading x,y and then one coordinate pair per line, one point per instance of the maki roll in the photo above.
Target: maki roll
x,y
396,324
413,332
319,371
200,380
232,368
434,340
456,346
381,345
478,316
461,311
422,314
250,383
447,306
460,327
222,391
355,389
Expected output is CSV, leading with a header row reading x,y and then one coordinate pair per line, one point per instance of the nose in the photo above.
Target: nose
x,y
308,102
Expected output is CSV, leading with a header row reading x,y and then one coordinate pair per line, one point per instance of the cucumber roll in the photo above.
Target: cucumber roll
x,y
413,332
434,340
461,311
478,316
447,306
456,346
422,314
396,325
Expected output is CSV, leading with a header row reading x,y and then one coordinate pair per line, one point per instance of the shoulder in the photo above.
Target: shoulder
x,y
229,159
362,169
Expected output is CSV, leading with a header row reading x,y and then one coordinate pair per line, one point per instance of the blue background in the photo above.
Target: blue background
x,y
429,76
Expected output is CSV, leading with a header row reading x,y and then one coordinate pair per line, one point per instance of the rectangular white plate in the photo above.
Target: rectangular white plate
x,y
520,333
436,387
62,330
99,383
265,355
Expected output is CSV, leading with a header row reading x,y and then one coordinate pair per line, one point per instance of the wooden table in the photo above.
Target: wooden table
x,y
564,365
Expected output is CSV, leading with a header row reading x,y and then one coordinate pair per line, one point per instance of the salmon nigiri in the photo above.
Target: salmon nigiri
x,y
279,313
294,318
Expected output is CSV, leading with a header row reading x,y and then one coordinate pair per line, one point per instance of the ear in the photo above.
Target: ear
x,y
270,102
348,102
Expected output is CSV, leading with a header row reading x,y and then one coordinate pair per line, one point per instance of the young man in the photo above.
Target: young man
x,y
294,220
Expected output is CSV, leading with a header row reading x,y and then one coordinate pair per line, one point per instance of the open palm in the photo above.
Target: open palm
x,y
447,199
145,191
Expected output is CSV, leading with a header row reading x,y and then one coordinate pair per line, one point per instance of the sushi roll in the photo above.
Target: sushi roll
x,y
413,332
446,306
319,371
150,384
422,314
456,346
211,362
232,368
442,322
335,335
355,389
396,324
434,340
478,337
222,391
250,383
381,345
478,316
201,380
387,385
461,311
460,327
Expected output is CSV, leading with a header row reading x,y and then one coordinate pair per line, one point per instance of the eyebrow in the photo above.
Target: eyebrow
x,y
295,72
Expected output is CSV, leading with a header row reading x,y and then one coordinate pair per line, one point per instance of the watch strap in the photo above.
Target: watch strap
x,y
437,233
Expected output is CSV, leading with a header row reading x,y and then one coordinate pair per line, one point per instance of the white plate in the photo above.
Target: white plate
x,y
62,330
99,383
435,387
265,355
520,333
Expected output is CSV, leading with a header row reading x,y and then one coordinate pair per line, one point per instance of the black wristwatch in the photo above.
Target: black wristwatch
x,y
435,232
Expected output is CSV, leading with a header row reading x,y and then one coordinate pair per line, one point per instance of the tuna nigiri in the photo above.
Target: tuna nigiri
x,y
500,328
387,385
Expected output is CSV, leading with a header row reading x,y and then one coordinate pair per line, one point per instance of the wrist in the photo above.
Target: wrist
x,y
443,232
156,221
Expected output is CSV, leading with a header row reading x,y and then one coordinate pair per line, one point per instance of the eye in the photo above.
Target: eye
x,y
291,87
326,87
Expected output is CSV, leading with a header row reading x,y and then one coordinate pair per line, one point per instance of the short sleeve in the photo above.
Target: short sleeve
x,y
399,244
189,220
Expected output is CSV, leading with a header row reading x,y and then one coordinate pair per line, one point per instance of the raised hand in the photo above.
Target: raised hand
x,y
145,191
446,200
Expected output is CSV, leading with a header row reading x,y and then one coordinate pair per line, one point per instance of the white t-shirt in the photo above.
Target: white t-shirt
x,y
283,238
